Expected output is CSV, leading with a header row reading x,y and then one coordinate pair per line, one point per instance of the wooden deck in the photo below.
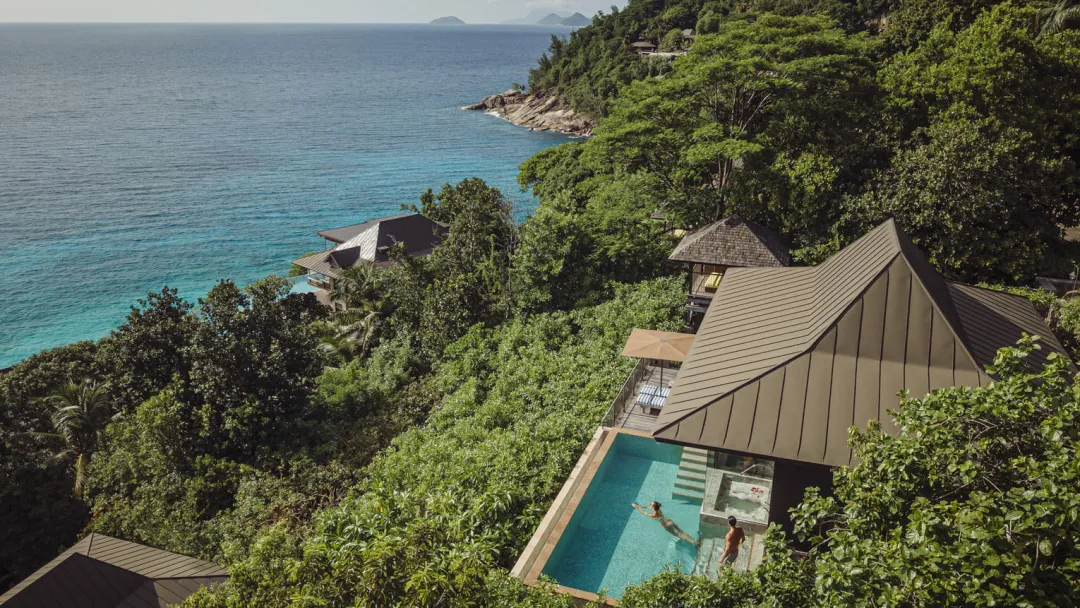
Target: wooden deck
x,y
632,415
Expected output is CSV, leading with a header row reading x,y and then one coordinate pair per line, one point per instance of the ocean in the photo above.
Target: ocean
x,y
138,156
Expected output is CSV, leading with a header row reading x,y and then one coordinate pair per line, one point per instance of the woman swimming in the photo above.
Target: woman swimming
x,y
672,527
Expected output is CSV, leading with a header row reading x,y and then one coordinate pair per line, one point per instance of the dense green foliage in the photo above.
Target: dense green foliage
x,y
39,514
957,121
451,501
988,117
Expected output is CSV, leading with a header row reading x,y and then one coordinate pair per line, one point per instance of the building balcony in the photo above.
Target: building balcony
x,y
641,398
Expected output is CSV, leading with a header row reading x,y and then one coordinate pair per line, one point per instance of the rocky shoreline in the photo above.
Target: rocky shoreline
x,y
537,112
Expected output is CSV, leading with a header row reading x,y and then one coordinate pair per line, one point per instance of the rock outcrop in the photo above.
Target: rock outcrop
x,y
537,112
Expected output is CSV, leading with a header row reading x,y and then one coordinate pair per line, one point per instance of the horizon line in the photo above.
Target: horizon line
x,y
274,23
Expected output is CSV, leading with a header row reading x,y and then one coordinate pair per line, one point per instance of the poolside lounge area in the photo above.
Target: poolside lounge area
x,y
634,407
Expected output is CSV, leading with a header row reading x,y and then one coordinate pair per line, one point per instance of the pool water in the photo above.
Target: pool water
x,y
302,286
608,545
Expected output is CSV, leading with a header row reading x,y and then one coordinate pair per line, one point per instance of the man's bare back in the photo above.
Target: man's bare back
x,y
734,539
732,542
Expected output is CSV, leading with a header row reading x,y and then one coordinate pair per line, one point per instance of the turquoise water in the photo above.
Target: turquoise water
x,y
140,155
301,285
608,545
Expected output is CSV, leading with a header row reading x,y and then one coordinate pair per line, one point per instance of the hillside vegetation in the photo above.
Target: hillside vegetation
x,y
401,453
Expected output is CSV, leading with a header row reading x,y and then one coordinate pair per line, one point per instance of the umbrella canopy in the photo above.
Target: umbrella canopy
x,y
662,345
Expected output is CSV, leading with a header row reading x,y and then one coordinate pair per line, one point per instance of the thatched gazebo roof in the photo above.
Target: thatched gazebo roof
x,y
733,241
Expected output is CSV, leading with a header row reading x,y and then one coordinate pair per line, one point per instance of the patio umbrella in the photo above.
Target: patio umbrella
x,y
661,345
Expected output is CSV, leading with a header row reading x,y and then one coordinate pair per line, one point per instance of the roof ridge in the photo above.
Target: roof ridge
x,y
952,319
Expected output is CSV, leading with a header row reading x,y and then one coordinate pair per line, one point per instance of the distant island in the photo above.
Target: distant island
x,y
535,17
552,19
541,17
448,21
576,20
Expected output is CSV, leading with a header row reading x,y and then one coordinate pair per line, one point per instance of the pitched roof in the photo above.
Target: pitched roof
x,y
344,233
787,359
318,263
372,240
104,572
733,241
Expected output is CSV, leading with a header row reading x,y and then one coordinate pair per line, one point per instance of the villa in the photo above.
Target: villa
x,y
786,360
103,572
370,241
643,47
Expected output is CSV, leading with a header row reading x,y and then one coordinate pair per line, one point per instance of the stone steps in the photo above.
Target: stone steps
x,y
750,556
690,480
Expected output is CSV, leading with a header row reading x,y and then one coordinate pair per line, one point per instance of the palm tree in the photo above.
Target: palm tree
x,y
1058,17
352,332
79,413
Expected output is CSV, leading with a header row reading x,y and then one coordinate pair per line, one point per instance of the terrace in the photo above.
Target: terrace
x,y
634,407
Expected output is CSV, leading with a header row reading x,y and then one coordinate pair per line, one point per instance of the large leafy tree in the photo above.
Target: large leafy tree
x,y
466,280
149,348
254,364
984,128
737,125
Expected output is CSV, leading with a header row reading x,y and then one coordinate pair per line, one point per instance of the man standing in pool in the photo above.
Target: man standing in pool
x,y
672,527
732,542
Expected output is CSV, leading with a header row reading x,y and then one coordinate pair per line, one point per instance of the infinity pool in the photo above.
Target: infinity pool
x,y
607,544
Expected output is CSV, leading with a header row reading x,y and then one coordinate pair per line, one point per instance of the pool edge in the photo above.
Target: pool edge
x,y
539,548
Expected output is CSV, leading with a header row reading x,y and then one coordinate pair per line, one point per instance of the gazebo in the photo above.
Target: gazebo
x,y
731,242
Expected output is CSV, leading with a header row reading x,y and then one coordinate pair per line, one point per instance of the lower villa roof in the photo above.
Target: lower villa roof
x,y
319,263
788,359
103,572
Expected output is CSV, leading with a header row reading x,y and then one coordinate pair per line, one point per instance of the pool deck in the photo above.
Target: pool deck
x,y
632,416
542,544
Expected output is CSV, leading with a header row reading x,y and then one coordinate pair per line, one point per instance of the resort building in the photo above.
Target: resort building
x,y
786,360
370,241
104,572
643,47
730,243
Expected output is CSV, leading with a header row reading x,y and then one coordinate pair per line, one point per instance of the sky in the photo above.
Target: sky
x,y
286,11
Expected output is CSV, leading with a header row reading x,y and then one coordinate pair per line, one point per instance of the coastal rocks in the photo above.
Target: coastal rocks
x,y
538,112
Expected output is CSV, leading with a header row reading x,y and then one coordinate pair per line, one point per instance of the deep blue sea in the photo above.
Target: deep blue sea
x,y
138,156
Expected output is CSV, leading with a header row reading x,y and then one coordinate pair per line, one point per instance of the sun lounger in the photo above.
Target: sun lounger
x,y
653,397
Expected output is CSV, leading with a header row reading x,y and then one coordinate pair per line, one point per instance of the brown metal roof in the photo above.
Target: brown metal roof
x,y
787,359
733,241
372,240
344,233
104,572
318,263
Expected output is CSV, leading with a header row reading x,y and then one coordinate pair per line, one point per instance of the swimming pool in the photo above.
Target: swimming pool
x,y
301,285
607,544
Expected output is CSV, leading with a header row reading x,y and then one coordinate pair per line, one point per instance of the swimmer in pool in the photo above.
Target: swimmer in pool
x,y
672,527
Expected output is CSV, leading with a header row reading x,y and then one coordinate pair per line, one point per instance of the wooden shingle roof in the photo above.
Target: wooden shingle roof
x,y
787,359
733,241
104,572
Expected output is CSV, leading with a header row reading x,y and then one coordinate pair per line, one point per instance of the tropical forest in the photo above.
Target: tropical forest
x,y
401,451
